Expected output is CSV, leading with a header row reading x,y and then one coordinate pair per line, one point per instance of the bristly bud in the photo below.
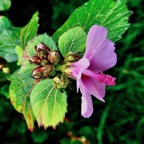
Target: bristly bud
x,y
72,56
35,60
44,62
53,57
61,81
43,47
47,70
37,73
42,54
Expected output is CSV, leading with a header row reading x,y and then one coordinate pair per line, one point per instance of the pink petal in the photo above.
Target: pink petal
x,y
86,106
80,66
94,87
104,58
95,38
78,69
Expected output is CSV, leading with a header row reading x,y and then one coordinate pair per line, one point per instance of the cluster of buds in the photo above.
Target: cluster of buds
x,y
44,59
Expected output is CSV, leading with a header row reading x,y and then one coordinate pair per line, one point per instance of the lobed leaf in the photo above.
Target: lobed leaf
x,y
30,30
22,82
20,89
73,40
108,13
49,104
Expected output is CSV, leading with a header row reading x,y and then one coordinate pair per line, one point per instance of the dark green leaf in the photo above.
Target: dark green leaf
x,y
4,76
108,13
5,91
8,41
4,23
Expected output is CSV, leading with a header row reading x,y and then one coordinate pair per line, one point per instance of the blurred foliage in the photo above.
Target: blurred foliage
x,y
5,5
120,120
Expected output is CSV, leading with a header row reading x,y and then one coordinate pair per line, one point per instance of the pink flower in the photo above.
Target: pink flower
x,y
88,71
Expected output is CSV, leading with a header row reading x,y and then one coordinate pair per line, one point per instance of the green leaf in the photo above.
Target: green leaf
x,y
5,5
19,52
30,48
20,89
72,40
30,30
48,103
22,82
4,23
108,13
8,41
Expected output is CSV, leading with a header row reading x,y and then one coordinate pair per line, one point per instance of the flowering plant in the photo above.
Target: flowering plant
x,y
81,49
88,71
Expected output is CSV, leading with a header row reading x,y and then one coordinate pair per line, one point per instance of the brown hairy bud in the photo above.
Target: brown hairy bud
x,y
47,69
35,59
42,54
53,57
42,46
44,62
37,73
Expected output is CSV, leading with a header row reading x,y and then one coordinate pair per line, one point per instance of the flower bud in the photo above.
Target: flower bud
x,y
42,46
42,54
37,73
6,70
53,57
47,69
35,59
61,81
44,62
72,56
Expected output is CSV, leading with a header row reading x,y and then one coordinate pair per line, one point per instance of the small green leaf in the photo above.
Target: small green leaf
x,y
4,23
20,89
48,103
8,41
73,40
5,5
30,30
19,52
108,13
